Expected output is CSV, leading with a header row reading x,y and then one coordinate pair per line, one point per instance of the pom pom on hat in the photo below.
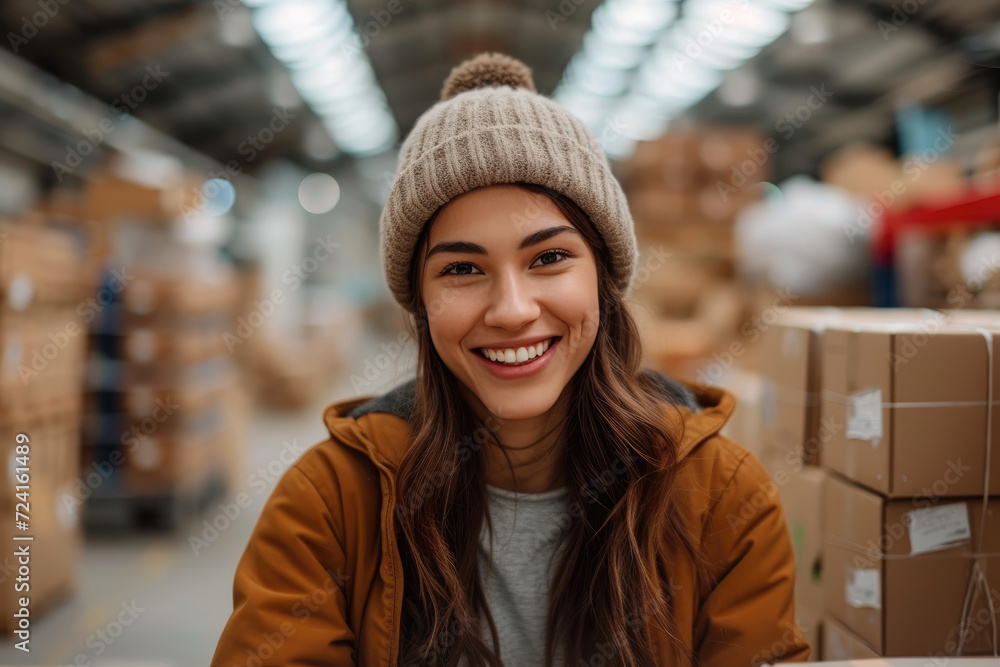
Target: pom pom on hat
x,y
486,70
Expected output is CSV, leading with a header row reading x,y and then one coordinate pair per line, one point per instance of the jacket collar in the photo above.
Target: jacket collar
x,y
379,427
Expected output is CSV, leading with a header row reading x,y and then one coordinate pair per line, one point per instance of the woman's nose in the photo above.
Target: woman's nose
x,y
512,304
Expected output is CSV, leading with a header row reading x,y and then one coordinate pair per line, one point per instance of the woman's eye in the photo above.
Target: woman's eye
x,y
458,269
550,256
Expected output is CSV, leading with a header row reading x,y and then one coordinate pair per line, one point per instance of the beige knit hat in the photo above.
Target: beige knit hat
x,y
491,127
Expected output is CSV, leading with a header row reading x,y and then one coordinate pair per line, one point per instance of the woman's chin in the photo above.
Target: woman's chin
x,y
519,404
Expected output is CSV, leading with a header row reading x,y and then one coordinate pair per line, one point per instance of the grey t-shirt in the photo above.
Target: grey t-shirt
x,y
526,527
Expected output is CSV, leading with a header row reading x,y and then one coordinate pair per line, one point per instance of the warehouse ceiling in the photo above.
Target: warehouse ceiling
x,y
220,84
213,84
867,57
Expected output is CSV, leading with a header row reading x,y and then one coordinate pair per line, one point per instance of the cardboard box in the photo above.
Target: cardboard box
x,y
655,206
156,295
744,424
722,205
791,375
674,288
864,170
113,429
53,460
38,265
212,372
42,362
111,199
908,407
839,643
896,570
792,372
701,237
165,464
141,401
802,496
671,159
144,345
735,156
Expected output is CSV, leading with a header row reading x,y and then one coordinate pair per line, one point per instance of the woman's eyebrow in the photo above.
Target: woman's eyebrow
x,y
476,249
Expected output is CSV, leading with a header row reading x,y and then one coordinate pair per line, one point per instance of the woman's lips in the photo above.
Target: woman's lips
x,y
530,367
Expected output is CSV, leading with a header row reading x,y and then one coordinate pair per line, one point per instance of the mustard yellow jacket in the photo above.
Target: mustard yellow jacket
x,y
320,580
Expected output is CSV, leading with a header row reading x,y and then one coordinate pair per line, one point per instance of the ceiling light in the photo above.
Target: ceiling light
x,y
319,193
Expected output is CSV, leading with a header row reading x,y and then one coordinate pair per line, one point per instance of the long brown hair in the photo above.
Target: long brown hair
x,y
610,582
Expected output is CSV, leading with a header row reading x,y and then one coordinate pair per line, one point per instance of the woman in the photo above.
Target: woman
x,y
533,497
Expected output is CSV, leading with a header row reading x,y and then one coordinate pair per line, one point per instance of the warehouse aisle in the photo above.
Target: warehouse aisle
x,y
147,596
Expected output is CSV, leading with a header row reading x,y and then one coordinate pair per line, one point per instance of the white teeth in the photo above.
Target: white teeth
x,y
519,356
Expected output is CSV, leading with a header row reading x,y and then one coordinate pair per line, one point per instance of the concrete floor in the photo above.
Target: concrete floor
x,y
181,600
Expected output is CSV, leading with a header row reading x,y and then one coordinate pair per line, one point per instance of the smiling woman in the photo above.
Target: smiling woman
x,y
534,496
506,293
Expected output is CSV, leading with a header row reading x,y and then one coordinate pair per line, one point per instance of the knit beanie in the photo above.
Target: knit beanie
x,y
491,127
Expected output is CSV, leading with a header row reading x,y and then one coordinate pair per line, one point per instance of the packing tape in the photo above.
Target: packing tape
x,y
857,548
794,395
834,397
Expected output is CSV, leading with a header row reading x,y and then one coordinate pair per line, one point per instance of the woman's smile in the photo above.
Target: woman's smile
x,y
509,363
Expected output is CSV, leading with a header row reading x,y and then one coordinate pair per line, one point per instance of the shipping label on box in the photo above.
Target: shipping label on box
x,y
864,416
937,528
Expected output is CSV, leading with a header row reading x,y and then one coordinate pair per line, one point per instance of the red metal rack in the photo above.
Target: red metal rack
x,y
972,208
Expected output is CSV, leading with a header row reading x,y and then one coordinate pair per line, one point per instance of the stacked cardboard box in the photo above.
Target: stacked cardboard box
x,y
685,191
893,404
746,386
42,346
913,462
111,198
686,187
794,434
292,373
883,181
161,407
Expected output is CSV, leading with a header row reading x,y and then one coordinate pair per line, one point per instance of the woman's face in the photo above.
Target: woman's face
x,y
505,271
